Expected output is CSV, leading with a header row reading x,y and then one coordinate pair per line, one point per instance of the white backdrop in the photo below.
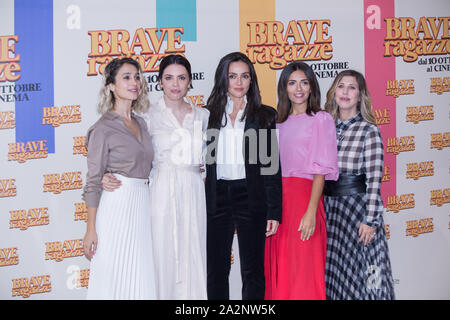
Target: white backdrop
x,y
40,256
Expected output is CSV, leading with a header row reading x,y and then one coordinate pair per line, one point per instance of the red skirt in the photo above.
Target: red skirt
x,y
295,269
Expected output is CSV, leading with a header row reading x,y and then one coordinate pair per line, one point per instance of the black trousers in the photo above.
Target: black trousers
x,y
233,212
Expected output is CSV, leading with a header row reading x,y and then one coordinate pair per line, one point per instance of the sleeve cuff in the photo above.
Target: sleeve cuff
x,y
92,200
371,221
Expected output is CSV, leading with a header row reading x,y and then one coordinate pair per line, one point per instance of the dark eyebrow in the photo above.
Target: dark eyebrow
x,y
172,75
303,79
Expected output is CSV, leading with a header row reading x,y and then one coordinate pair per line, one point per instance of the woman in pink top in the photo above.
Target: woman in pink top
x,y
295,256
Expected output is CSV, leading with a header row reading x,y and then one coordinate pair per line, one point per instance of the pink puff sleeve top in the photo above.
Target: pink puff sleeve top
x,y
308,146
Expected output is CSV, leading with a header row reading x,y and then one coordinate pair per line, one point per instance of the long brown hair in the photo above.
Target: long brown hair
x,y
364,104
218,99
284,106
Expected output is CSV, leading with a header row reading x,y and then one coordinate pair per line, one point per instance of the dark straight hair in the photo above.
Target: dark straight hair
x,y
284,105
174,59
218,99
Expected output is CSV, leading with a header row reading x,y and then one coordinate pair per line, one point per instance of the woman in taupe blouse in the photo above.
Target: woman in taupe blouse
x,y
118,239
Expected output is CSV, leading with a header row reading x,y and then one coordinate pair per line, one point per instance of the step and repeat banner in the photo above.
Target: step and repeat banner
x,y
53,54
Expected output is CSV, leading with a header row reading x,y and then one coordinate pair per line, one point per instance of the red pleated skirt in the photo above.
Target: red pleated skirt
x,y
295,269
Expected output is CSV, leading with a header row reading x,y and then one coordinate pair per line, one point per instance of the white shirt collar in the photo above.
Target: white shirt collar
x,y
230,105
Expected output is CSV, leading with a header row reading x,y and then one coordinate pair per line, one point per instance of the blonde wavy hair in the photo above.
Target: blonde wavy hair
x,y
106,97
364,104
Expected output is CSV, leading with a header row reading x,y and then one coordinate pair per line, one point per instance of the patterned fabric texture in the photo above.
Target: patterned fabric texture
x,y
354,271
360,151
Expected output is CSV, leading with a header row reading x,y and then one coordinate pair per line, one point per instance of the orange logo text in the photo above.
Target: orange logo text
x,y
396,145
23,219
25,287
382,116
440,197
79,145
83,278
270,42
8,188
387,229
60,115
440,140
417,170
8,257
416,114
402,202
7,120
80,211
59,251
55,182
21,152
408,39
197,100
417,227
386,174
9,61
397,88
144,46
440,85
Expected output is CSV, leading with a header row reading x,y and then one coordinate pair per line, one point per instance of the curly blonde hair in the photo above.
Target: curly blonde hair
x,y
365,103
106,97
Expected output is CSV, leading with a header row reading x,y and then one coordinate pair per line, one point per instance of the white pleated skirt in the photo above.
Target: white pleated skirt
x,y
123,265
178,213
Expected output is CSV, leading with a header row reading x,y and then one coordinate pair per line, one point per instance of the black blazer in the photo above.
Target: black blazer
x,y
264,191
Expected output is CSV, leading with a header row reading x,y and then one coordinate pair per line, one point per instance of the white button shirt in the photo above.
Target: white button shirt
x,y
230,157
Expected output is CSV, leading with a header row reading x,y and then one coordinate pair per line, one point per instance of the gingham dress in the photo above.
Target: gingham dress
x,y
354,271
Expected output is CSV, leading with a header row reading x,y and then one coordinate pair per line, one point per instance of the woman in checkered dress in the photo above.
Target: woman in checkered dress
x,y
358,264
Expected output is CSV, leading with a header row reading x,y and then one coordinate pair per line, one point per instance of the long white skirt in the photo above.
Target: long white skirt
x,y
178,213
123,265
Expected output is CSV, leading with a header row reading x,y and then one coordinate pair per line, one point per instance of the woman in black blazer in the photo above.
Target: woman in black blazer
x,y
243,177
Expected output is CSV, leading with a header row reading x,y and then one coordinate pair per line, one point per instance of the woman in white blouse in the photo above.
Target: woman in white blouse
x,y
177,191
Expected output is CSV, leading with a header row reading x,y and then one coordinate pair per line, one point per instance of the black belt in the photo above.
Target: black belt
x,y
346,185
230,182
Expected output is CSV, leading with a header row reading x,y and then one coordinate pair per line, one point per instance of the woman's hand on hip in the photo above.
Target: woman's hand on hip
x,y
110,182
